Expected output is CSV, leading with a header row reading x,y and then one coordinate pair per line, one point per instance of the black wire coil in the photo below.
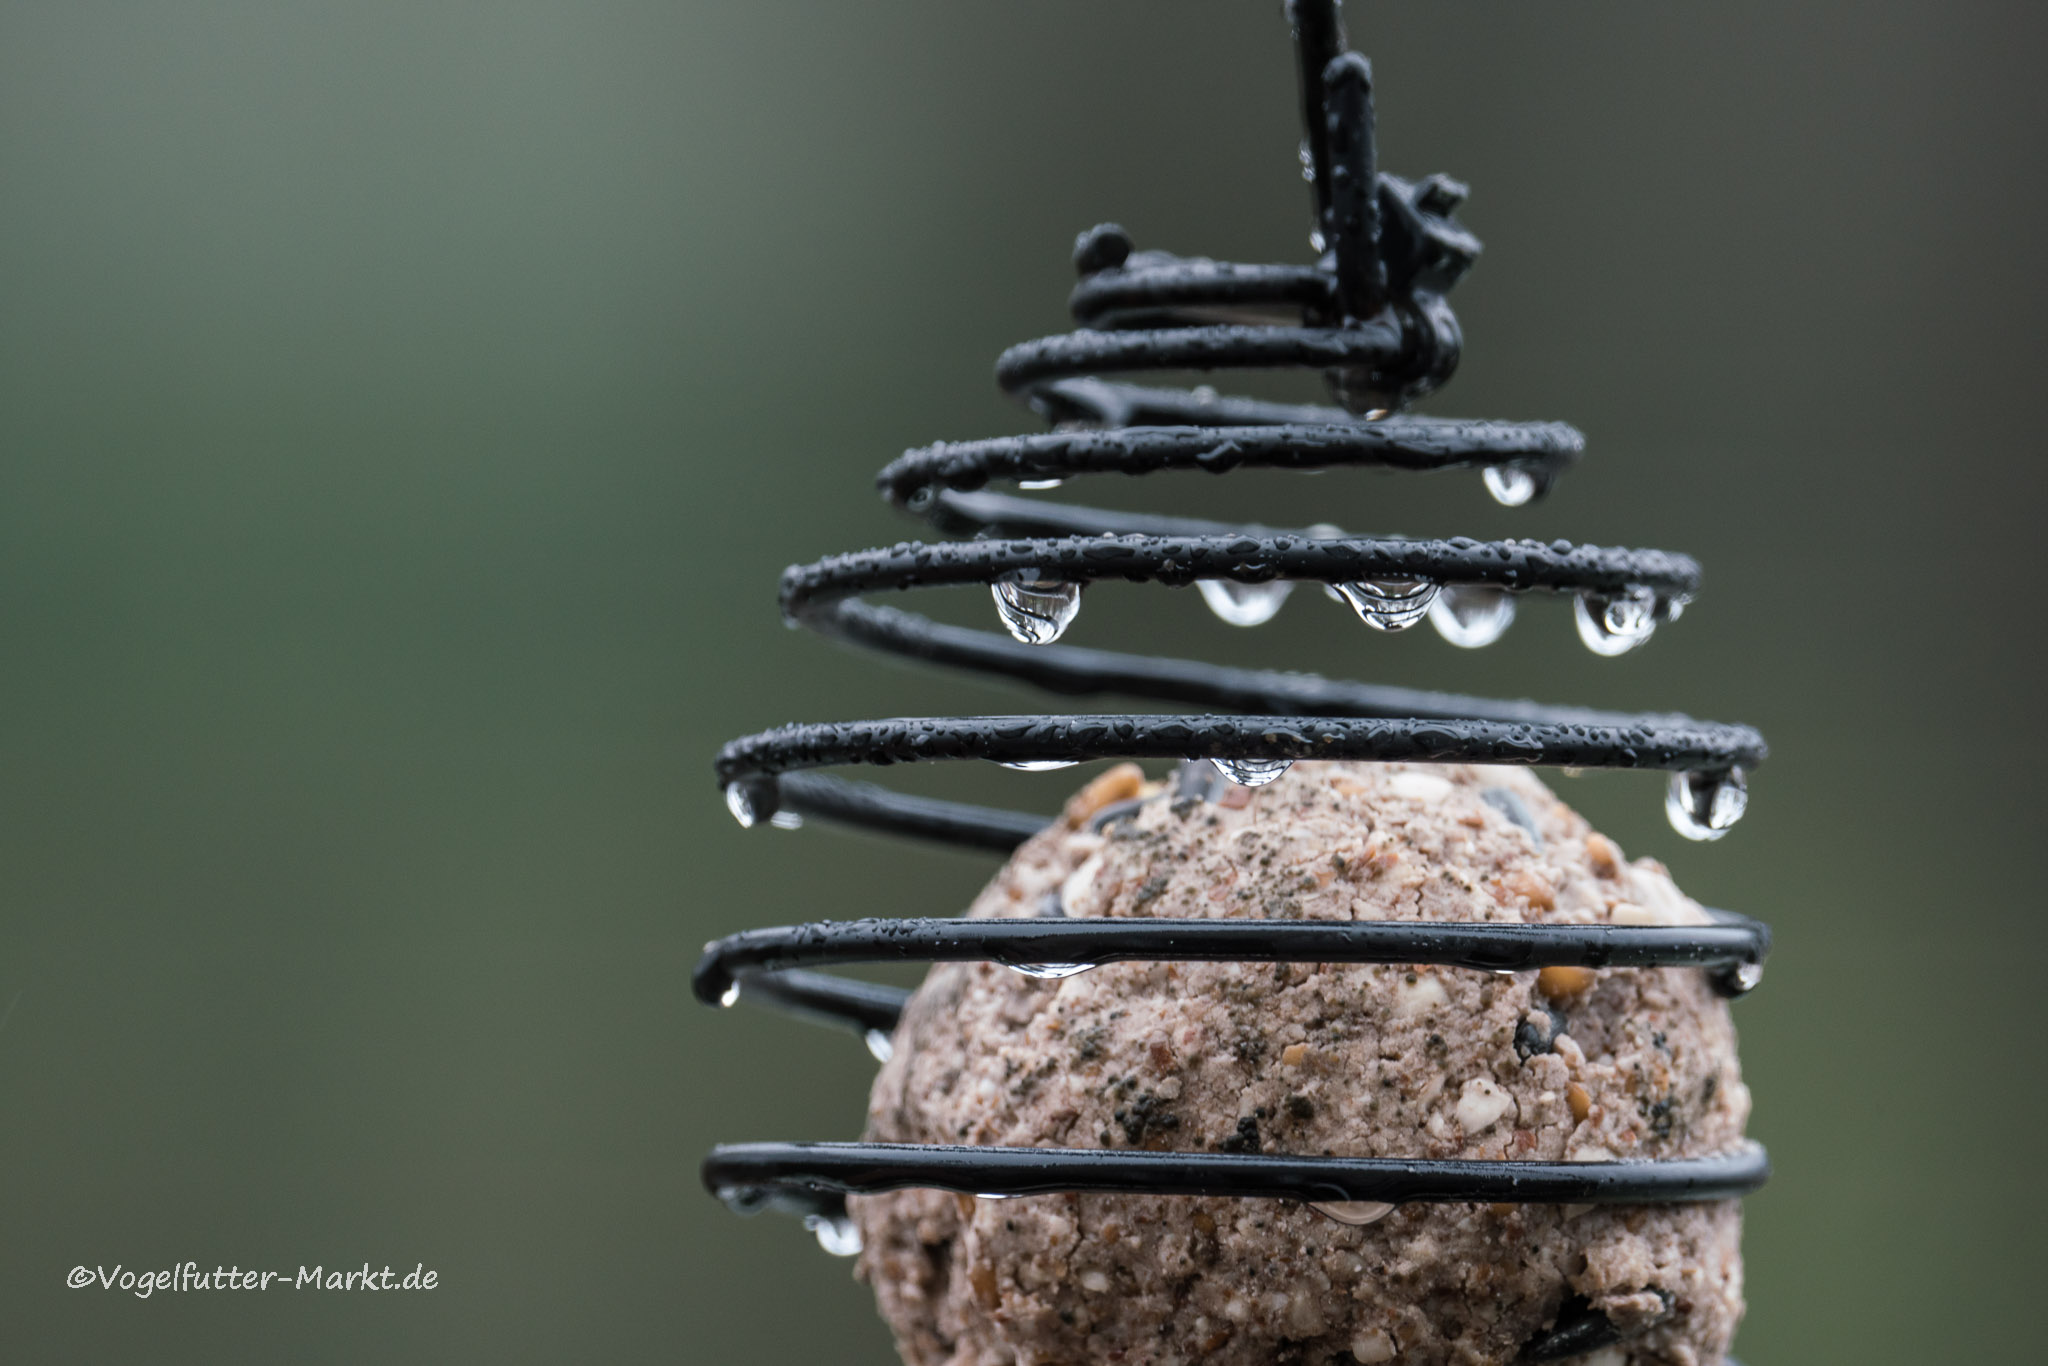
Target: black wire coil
x,y
1371,315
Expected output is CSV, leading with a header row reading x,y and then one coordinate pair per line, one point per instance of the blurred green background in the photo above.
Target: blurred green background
x,y
405,410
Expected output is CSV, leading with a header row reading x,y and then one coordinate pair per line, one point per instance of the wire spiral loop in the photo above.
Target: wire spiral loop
x,y
1371,315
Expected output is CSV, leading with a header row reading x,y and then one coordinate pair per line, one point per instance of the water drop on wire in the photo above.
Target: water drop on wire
x,y
741,805
880,1045
1052,972
1356,1213
1614,623
1510,485
1252,772
1037,765
1704,806
1389,604
1244,604
1471,615
1036,611
837,1234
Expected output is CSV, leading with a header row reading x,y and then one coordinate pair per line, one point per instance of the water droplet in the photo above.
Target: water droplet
x,y
730,997
740,804
1317,242
1252,772
1037,484
1037,765
1748,976
1052,972
1674,606
1356,1213
1389,604
1615,623
1511,485
1244,604
994,1195
1308,162
880,1045
745,1199
1704,806
787,820
1471,615
838,1234
1037,611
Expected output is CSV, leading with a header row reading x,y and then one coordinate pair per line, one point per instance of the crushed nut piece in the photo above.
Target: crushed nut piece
x,y
1526,884
1561,983
1118,784
1481,1104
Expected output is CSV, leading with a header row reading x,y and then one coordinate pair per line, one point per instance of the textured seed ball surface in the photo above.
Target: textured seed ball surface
x,y
1312,1059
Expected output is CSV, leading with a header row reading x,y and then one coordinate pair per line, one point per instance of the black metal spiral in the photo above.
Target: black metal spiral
x,y
1371,315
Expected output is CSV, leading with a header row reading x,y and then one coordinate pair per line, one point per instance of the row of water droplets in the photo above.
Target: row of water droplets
x,y
1038,610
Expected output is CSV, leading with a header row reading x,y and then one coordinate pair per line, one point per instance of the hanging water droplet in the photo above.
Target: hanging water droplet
x,y
1037,484
1470,615
787,820
1252,772
740,804
1704,806
1244,604
1037,611
1615,623
1037,765
1511,485
1748,976
1389,604
995,1195
1316,241
1356,1213
1052,972
730,997
1675,605
837,1234
1308,162
880,1045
